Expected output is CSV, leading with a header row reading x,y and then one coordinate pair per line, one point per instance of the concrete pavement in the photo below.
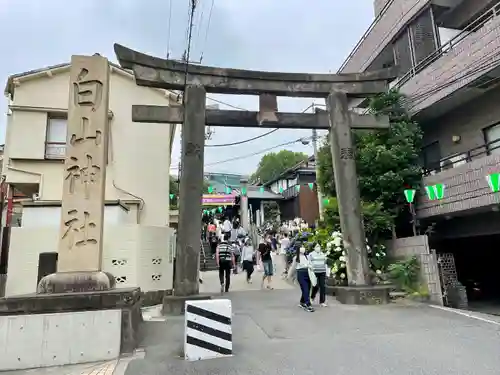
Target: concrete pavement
x,y
271,335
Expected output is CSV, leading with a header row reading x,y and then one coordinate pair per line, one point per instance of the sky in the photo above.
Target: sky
x,y
308,36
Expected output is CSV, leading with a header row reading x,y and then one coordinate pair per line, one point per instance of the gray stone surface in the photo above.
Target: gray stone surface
x,y
128,300
176,305
190,193
70,282
273,336
363,295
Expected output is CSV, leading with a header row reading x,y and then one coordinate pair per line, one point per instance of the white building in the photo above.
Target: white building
x,y
137,236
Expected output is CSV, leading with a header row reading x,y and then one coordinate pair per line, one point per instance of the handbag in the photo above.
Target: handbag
x,y
312,276
292,271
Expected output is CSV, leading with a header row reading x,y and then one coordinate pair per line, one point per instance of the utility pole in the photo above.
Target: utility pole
x,y
318,190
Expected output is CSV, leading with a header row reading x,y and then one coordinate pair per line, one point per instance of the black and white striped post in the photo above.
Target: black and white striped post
x,y
208,329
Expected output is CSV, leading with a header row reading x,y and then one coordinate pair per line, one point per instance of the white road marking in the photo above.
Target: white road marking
x,y
468,315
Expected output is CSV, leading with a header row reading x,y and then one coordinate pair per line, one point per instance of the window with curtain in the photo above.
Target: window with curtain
x,y
56,138
492,138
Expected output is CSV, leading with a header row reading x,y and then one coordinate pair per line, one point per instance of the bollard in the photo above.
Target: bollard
x,y
208,329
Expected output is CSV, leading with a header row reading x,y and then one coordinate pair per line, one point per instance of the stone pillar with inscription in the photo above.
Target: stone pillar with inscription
x,y
347,189
84,179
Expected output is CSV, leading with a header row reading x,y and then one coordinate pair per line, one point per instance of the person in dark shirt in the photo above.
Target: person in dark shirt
x,y
267,262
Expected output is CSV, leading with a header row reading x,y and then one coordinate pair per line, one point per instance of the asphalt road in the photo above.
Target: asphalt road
x,y
273,336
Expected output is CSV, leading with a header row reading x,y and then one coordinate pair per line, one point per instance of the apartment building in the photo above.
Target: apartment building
x,y
448,54
136,232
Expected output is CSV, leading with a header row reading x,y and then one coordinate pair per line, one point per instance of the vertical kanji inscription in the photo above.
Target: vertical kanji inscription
x,y
80,244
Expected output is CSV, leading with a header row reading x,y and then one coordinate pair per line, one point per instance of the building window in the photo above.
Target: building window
x,y
55,144
492,139
432,157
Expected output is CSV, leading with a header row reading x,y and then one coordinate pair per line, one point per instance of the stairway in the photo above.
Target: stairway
x,y
207,264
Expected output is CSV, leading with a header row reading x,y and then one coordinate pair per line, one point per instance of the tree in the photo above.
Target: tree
x,y
273,164
174,189
387,161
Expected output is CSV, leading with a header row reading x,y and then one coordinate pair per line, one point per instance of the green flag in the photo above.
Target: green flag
x,y
494,182
410,195
281,190
220,209
243,191
172,196
297,187
228,190
261,189
435,192
210,190
311,185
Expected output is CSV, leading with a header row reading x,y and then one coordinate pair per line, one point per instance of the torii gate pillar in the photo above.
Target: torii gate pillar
x,y
347,189
187,260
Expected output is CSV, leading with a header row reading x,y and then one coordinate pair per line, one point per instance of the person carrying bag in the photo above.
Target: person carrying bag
x,y
301,270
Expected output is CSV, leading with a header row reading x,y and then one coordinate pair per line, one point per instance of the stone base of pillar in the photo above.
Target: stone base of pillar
x,y
176,305
123,302
72,282
363,294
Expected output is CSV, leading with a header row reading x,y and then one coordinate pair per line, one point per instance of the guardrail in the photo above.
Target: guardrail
x,y
474,26
458,159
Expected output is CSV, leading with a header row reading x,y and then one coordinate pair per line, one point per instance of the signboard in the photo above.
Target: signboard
x,y
218,200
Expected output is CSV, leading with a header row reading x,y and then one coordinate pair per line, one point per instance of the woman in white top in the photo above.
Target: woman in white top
x,y
302,266
248,257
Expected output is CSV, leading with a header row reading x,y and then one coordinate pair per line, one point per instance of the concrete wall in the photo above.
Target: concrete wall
x,y
378,5
43,340
419,246
466,121
398,15
51,216
459,66
139,154
137,255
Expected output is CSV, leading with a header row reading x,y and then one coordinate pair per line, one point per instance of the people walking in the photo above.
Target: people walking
x,y
212,238
226,229
318,262
225,262
301,267
248,257
284,244
236,251
267,263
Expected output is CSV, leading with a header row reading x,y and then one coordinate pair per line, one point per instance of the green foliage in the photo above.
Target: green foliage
x,y
273,164
377,222
174,189
332,245
404,274
387,161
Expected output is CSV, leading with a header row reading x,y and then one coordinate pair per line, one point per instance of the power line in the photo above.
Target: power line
x,y
208,30
259,136
257,152
169,27
244,141
229,105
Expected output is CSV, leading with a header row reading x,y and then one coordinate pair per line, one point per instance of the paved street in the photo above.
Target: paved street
x,y
273,336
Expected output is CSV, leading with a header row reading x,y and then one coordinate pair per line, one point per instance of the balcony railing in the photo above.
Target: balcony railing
x,y
474,26
458,159
365,35
55,150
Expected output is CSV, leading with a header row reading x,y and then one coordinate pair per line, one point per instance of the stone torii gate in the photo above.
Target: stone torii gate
x,y
335,88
